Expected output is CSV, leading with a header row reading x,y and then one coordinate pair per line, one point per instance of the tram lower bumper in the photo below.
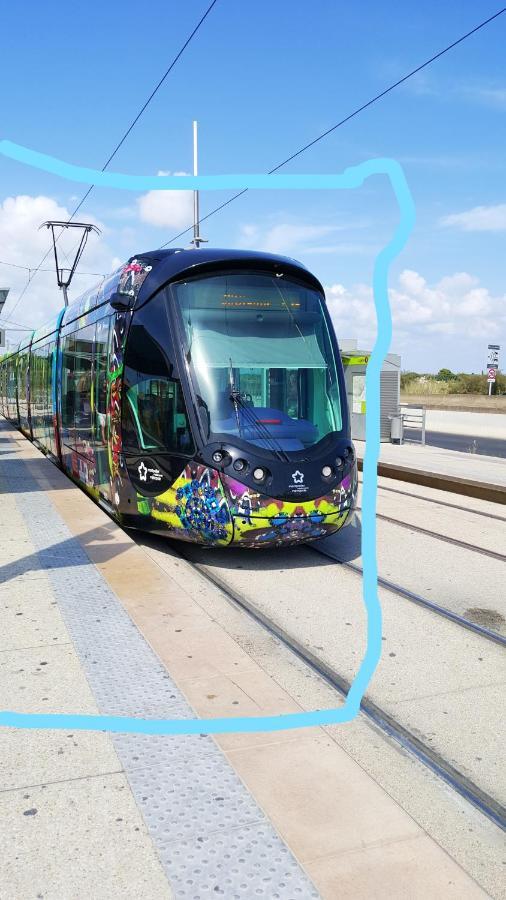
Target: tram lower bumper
x,y
275,531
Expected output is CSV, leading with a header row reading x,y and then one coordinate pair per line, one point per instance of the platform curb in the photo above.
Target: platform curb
x,y
453,484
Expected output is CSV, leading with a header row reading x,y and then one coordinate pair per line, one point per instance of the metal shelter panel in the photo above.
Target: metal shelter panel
x,y
389,406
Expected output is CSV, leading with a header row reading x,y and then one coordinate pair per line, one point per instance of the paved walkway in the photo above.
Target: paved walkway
x,y
138,806
93,624
474,424
486,469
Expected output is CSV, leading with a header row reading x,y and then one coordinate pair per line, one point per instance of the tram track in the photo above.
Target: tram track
x,y
379,717
465,545
445,503
416,598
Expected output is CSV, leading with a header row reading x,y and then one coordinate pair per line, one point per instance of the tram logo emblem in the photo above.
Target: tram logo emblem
x,y
298,477
148,474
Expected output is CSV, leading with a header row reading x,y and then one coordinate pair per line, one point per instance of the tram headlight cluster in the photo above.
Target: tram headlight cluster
x,y
224,459
327,471
346,457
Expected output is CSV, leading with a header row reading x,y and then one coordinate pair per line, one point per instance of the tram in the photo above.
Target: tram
x,y
198,394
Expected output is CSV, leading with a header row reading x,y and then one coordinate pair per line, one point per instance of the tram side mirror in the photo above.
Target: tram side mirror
x,y
120,302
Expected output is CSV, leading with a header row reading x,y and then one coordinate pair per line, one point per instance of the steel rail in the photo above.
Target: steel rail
x,y
474,512
494,554
418,599
460,783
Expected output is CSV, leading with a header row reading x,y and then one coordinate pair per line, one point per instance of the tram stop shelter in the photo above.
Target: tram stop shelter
x,y
355,366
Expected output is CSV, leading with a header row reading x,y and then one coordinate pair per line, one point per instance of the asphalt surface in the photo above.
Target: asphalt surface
x,y
465,443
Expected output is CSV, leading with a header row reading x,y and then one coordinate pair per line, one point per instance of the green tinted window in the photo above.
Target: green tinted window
x,y
154,411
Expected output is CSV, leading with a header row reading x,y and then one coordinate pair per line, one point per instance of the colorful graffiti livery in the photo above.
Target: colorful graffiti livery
x,y
198,395
263,521
205,508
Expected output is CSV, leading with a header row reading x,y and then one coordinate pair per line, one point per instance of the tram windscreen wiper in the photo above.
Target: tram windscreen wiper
x,y
250,419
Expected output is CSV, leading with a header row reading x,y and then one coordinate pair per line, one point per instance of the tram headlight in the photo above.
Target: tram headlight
x,y
339,462
327,471
259,474
240,465
218,456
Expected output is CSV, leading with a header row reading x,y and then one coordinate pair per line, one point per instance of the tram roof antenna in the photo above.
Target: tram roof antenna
x,y
197,239
64,276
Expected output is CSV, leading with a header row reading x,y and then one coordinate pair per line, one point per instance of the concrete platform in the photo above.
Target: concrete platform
x,y
95,622
463,473
476,423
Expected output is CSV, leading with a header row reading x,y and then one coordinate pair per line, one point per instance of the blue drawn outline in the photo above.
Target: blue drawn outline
x,y
350,178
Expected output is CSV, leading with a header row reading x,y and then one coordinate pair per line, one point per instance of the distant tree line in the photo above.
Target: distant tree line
x,y
448,382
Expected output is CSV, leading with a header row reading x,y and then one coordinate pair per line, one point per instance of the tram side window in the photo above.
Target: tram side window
x,y
2,388
76,385
68,389
23,392
36,390
154,411
82,375
155,417
48,410
41,396
11,388
101,360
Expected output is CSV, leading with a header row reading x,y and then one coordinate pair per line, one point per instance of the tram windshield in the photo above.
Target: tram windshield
x,y
261,359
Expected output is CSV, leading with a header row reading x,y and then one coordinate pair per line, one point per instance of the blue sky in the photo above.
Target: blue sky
x,y
263,79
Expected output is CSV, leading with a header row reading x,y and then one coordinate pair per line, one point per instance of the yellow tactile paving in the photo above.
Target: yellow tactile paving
x,y
349,834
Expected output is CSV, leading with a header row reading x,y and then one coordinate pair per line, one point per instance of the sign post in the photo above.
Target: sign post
x,y
492,365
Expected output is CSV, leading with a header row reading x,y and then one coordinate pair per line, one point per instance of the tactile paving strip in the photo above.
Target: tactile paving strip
x,y
212,838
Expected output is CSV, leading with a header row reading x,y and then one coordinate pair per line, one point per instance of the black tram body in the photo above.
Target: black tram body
x,y
199,394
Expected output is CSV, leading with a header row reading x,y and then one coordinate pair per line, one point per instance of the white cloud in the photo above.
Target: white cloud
x,y
343,249
457,305
282,238
291,238
23,244
167,209
486,95
423,84
480,218
121,213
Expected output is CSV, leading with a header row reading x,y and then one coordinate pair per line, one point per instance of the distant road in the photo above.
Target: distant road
x,y
465,443
469,432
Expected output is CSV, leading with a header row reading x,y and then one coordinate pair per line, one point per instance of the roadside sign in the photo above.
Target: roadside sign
x,y
491,374
493,355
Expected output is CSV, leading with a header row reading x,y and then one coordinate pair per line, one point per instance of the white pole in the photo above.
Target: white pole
x,y
196,214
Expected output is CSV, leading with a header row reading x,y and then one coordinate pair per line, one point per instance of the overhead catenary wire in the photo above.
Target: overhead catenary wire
x,y
3,320
123,139
32,269
346,119
16,329
102,275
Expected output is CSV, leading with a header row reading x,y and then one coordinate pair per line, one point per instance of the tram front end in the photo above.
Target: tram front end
x,y
236,428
